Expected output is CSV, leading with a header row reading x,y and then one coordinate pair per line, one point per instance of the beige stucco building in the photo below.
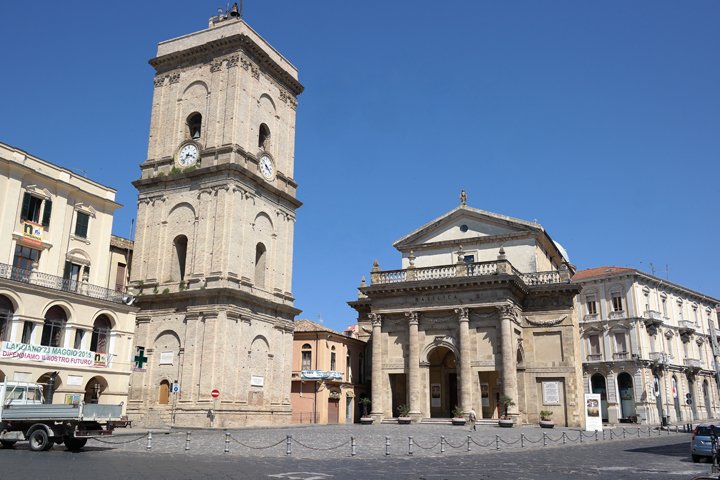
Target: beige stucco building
x,y
482,306
212,265
60,310
328,375
649,347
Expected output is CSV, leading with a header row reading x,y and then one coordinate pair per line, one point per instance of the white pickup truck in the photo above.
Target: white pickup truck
x,y
24,416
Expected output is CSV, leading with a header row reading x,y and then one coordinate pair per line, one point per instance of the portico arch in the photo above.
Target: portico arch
x,y
443,388
94,389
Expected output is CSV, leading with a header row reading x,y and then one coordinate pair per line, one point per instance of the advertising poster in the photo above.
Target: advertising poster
x,y
435,395
593,417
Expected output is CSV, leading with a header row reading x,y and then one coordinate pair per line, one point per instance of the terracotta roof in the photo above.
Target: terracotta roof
x,y
308,326
600,272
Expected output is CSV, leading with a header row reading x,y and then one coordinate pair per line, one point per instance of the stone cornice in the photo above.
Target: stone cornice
x,y
227,170
468,242
222,46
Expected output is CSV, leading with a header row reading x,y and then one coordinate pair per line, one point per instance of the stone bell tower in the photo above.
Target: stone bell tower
x,y
212,267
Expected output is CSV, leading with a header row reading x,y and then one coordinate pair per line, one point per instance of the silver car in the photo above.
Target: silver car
x,y
701,444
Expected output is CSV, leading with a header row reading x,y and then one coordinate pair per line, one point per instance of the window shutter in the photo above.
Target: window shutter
x,y
66,273
46,213
81,226
25,207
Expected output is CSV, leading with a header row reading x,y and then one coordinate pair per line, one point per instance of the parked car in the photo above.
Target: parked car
x,y
701,444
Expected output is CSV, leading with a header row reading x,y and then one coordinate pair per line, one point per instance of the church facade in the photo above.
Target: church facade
x,y
212,267
482,309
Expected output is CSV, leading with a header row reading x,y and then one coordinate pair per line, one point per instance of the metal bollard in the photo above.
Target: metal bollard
x,y
522,440
544,439
149,442
410,442
638,432
352,446
442,443
227,443
387,445
288,448
497,442
623,433
581,435
676,429
596,435
187,441
611,433
649,432
603,435
468,443
563,438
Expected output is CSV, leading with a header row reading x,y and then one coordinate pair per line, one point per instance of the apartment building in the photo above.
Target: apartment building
x,y
64,318
649,347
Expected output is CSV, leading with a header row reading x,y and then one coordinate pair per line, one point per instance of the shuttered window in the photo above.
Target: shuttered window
x,y
81,225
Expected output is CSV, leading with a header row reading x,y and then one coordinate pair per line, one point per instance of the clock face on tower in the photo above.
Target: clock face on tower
x,y
267,167
188,155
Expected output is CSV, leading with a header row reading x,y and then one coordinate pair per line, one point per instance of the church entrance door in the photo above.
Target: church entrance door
x,y
398,388
443,386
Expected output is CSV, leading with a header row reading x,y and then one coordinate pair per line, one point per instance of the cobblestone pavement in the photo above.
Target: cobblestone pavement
x,y
374,441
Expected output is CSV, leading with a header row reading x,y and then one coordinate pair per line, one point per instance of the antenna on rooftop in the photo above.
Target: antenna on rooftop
x,y
652,268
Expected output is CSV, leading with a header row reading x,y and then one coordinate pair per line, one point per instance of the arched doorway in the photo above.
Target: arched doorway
x,y
599,386
6,314
94,389
51,383
627,396
443,382
706,397
164,393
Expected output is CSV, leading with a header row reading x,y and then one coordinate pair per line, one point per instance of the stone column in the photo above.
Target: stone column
x,y
413,365
509,372
465,353
377,376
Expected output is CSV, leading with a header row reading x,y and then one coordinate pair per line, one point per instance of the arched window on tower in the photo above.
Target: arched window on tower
x,y
194,125
180,254
101,335
260,262
264,137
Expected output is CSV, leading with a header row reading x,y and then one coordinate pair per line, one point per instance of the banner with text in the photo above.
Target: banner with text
x,y
44,354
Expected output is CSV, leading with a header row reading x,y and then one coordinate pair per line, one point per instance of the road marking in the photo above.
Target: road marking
x,y
301,476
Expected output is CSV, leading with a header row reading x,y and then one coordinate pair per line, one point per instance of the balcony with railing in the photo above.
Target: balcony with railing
x,y
692,363
621,356
652,315
594,357
686,325
33,277
459,270
659,357
616,315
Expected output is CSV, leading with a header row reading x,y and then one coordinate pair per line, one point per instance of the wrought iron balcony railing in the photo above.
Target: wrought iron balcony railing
x,y
34,277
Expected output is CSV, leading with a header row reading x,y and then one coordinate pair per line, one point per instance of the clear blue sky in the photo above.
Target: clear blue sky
x,y
599,119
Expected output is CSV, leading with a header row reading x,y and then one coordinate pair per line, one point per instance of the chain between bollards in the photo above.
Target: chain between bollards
x,y
187,441
288,449
227,443
352,446
149,442
442,443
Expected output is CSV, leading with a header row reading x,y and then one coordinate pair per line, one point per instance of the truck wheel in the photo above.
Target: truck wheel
x,y
39,441
7,443
74,444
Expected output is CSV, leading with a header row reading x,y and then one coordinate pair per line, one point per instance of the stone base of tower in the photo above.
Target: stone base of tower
x,y
204,416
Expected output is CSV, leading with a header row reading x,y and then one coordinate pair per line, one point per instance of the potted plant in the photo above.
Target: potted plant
x,y
505,420
545,421
365,402
404,414
457,416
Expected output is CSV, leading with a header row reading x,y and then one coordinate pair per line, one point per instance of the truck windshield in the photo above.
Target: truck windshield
x,y
16,393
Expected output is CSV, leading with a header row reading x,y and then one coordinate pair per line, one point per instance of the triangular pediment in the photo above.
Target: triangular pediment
x,y
465,224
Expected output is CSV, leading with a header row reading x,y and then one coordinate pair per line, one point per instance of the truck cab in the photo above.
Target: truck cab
x,y
21,393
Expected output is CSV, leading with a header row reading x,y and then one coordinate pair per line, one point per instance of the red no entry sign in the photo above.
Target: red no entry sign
x,y
215,393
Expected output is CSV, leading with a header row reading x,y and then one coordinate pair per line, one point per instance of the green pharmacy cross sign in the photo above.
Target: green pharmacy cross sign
x,y
140,358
